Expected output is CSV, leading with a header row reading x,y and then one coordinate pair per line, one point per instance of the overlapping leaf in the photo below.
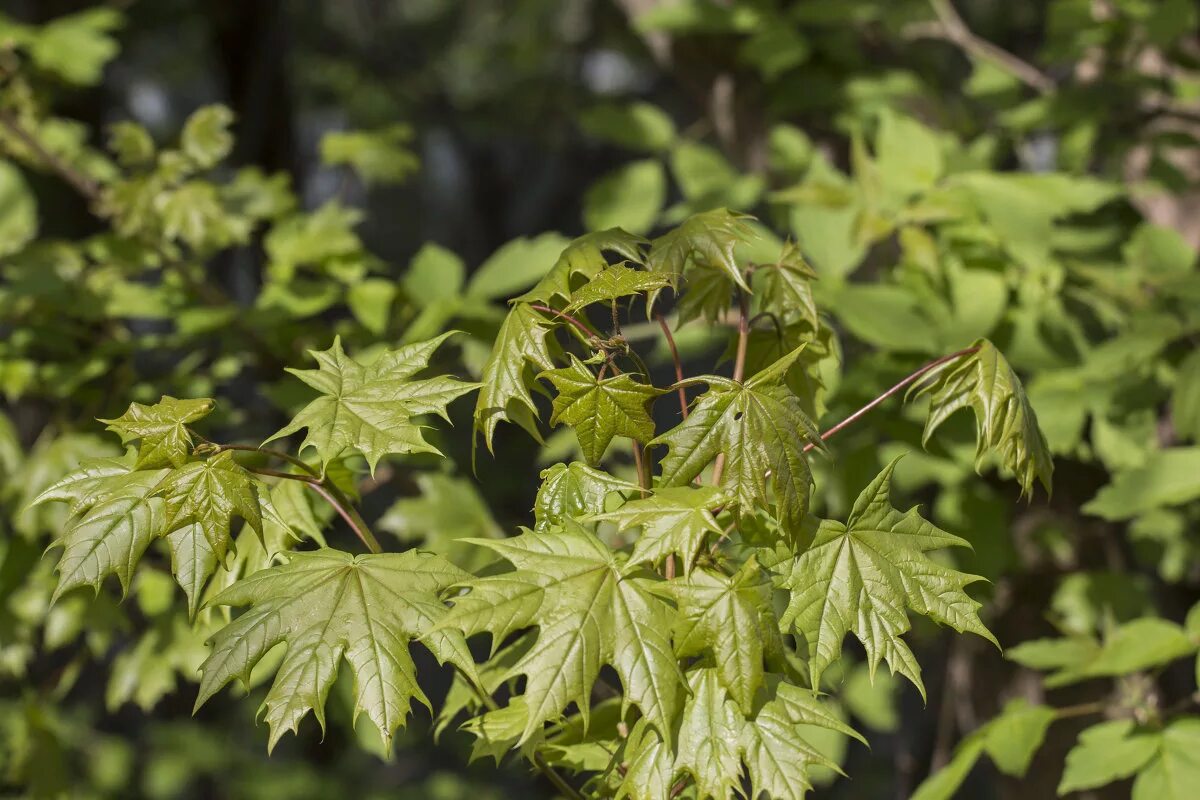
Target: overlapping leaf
x,y
616,282
570,491
863,577
325,606
590,609
600,409
504,394
162,429
708,238
674,519
370,407
731,617
114,514
762,430
583,257
1004,420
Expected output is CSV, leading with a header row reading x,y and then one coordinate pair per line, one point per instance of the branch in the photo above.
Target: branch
x,y
79,181
857,415
953,29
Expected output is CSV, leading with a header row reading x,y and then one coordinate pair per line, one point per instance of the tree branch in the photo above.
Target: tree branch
x,y
951,28
81,183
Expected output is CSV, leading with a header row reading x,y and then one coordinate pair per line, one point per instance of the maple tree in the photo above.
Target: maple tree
x,y
687,564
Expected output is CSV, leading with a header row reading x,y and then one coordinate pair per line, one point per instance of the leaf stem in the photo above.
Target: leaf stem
x,y
1081,710
267,451
739,368
334,496
565,317
915,376
666,329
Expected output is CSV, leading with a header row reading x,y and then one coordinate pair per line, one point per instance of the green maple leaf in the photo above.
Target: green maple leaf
x,y
327,605
1004,420
583,257
113,516
570,491
719,745
762,429
162,429
864,576
590,609
786,286
504,392
600,409
369,407
615,282
674,519
201,500
708,238
731,617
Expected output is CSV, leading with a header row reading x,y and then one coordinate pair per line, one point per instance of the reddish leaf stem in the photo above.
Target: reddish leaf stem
x,y
588,332
666,329
335,498
739,369
915,376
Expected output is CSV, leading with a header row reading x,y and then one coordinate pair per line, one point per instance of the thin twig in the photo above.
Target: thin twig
x,y
249,448
666,329
953,29
850,420
79,181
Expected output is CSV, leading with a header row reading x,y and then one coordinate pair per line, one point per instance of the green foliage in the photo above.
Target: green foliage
x,y
673,625
369,408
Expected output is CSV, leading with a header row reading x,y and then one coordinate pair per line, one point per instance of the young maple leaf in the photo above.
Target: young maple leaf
x,y
572,491
762,429
113,516
1004,420
590,609
716,739
369,407
863,577
600,410
504,390
708,238
675,519
327,605
162,429
731,616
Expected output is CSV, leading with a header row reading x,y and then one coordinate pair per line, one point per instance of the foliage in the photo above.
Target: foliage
x,y
852,212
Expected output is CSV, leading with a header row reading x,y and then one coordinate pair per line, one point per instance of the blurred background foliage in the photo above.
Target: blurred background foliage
x,y
194,193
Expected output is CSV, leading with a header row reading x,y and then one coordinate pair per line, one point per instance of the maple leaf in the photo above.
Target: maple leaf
x,y
707,238
762,429
327,605
675,519
583,256
590,609
570,491
113,516
732,617
162,429
615,282
600,409
1004,420
719,744
369,407
504,392
864,576
200,501
786,286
